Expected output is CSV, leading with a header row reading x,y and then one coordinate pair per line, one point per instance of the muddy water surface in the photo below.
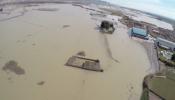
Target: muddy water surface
x,y
42,41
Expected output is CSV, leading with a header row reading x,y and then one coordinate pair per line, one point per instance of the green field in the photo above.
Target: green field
x,y
145,94
164,87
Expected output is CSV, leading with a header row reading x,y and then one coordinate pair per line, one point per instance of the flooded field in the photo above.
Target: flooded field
x,y
39,43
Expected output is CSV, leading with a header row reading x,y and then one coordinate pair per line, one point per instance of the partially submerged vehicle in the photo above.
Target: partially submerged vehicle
x,y
107,27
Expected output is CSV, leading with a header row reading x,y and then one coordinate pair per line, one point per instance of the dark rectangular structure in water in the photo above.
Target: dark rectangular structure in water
x,y
84,63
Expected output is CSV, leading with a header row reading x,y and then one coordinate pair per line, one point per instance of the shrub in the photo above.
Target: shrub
x,y
173,57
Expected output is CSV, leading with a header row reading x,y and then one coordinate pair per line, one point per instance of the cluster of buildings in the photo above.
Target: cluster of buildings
x,y
161,42
145,30
138,32
142,29
164,40
165,44
152,29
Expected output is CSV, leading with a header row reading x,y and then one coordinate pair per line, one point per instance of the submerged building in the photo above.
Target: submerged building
x,y
165,44
107,27
138,32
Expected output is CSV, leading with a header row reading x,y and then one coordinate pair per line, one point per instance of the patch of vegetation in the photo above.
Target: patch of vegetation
x,y
164,87
170,74
167,62
161,84
161,48
145,94
173,57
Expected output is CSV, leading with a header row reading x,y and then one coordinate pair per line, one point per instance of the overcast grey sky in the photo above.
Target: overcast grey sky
x,y
161,7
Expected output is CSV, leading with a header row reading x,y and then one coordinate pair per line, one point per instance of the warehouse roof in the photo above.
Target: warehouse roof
x,y
164,40
139,31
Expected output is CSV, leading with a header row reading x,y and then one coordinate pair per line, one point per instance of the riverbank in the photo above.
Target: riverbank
x,y
150,48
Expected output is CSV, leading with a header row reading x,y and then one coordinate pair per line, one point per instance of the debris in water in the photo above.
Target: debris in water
x,y
18,41
13,66
33,44
23,41
41,83
47,9
1,9
65,26
84,81
81,53
9,78
29,35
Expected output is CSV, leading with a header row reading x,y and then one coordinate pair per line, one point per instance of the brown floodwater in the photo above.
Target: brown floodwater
x,y
42,41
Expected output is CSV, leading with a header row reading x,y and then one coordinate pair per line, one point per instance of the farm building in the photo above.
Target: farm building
x,y
165,44
138,32
107,27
